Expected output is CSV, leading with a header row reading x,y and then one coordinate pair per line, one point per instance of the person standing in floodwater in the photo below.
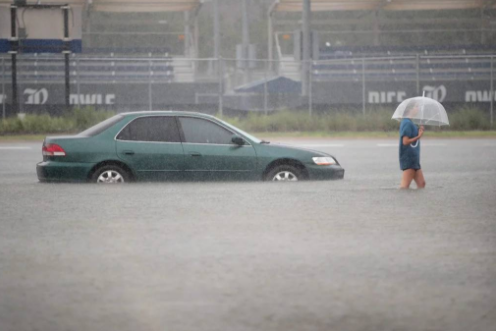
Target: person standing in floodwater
x,y
410,149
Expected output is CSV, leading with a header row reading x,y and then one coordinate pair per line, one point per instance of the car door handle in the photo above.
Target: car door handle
x,y
195,154
128,152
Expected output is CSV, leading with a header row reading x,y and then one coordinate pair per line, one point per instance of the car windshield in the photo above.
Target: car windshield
x,y
251,137
100,127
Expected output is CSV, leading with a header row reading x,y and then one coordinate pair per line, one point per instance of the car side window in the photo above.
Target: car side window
x,y
203,131
151,129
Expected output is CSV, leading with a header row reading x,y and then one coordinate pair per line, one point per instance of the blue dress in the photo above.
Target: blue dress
x,y
409,154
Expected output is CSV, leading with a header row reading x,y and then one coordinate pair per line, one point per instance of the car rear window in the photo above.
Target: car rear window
x,y
101,127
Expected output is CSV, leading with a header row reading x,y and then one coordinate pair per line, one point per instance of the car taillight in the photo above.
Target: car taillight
x,y
52,150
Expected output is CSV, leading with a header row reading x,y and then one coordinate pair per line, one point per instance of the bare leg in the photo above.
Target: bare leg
x,y
406,179
419,179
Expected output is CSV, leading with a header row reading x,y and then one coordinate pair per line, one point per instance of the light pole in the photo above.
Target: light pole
x,y
306,46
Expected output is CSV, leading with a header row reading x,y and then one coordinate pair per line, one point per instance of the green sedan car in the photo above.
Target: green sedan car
x,y
167,145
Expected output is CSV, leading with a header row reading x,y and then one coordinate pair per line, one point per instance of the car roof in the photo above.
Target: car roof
x,y
168,113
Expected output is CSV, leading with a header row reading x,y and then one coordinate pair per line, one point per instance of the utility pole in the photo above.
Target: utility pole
x,y
216,29
13,52
246,41
67,53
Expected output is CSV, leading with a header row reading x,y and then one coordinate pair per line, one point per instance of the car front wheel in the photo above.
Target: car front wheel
x,y
285,173
110,174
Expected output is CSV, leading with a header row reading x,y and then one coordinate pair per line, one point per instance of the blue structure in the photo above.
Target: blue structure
x,y
274,85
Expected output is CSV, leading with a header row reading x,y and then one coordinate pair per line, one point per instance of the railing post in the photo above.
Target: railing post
x,y
363,86
492,91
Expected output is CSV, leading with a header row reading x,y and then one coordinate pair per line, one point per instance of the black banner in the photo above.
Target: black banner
x,y
138,96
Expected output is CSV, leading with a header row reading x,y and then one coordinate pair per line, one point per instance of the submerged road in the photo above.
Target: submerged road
x,y
351,254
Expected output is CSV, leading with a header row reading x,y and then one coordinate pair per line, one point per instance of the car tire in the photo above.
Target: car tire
x,y
110,174
285,173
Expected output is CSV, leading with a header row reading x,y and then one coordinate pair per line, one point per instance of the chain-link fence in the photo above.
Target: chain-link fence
x,y
234,85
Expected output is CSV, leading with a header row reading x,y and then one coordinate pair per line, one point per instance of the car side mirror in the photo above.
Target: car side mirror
x,y
237,140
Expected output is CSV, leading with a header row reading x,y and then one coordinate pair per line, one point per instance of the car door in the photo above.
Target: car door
x,y
151,146
210,154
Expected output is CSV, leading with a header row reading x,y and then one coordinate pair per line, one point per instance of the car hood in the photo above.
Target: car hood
x,y
292,151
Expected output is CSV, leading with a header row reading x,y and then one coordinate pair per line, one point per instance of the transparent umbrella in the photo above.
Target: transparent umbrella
x,y
422,111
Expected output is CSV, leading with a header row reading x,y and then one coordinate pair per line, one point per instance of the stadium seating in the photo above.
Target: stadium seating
x,y
93,67
449,62
341,52
121,51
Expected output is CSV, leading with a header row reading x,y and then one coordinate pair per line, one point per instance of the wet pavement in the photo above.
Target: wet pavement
x,y
350,254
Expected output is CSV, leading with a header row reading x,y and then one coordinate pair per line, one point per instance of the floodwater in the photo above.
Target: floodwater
x,y
351,254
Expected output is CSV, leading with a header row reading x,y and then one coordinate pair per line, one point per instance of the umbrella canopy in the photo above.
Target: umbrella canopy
x,y
422,111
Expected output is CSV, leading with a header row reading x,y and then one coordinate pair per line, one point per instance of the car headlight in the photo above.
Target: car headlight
x,y
324,161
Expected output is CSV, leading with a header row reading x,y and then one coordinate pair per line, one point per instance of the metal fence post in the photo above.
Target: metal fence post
x,y
363,86
150,103
19,86
492,92
310,87
4,97
78,84
220,65
265,87
417,71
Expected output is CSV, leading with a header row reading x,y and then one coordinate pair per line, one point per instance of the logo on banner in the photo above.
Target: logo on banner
x,y
36,97
92,99
435,92
382,97
479,96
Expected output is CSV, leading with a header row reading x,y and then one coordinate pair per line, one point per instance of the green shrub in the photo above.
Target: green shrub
x,y
37,124
467,118
74,121
282,121
292,121
340,120
11,126
87,116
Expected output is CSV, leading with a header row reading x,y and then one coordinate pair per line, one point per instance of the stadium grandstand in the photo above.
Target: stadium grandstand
x,y
389,29
127,54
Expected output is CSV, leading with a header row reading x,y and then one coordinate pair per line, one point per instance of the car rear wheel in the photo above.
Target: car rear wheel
x,y
285,173
110,174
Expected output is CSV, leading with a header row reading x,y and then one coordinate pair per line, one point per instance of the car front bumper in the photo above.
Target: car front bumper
x,y
333,172
52,171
